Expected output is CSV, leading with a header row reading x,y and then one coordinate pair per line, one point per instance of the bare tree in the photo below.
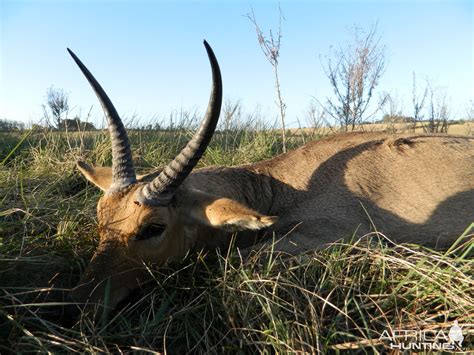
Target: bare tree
x,y
393,112
231,112
470,110
470,118
230,124
315,117
57,105
271,49
354,72
438,111
418,103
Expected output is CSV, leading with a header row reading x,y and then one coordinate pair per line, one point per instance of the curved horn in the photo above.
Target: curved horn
x,y
123,173
160,191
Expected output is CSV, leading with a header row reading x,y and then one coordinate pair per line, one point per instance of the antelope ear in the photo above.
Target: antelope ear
x,y
227,214
99,176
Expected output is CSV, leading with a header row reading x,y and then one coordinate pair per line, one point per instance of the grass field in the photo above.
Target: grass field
x,y
334,300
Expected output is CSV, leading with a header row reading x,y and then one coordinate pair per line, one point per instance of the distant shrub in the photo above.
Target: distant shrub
x,y
11,126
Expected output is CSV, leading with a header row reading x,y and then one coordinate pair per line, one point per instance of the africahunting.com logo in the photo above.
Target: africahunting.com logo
x,y
430,339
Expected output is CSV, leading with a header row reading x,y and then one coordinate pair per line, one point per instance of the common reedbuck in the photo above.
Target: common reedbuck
x,y
414,188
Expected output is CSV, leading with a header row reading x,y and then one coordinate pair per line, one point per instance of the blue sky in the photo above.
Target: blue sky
x,y
148,55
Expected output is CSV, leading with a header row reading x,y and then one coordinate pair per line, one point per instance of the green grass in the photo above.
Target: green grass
x,y
334,300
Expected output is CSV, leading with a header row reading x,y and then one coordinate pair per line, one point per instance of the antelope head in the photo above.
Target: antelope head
x,y
151,218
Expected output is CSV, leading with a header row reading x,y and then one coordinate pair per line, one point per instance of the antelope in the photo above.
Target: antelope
x,y
414,188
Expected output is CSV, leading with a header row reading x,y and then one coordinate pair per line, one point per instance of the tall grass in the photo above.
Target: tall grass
x,y
338,299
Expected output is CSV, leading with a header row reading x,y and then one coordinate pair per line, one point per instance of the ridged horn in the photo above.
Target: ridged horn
x,y
160,191
123,173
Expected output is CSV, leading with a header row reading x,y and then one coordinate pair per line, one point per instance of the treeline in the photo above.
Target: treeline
x,y
11,126
67,124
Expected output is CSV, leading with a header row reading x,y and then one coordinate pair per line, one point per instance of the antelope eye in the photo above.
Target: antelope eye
x,y
150,231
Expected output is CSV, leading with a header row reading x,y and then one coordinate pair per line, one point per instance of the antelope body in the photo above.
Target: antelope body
x,y
413,188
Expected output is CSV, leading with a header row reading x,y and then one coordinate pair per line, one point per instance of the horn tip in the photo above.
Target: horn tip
x,y
209,50
72,54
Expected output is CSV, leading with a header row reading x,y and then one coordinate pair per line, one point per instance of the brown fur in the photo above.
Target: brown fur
x,y
417,189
